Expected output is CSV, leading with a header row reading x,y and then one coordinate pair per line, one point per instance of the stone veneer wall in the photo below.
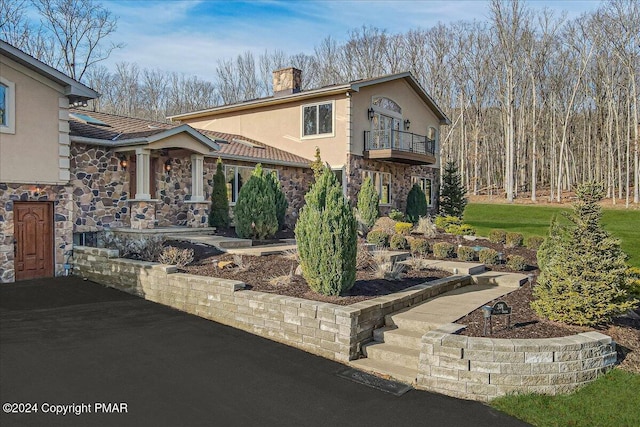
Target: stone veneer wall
x,y
63,222
485,368
329,330
400,180
295,183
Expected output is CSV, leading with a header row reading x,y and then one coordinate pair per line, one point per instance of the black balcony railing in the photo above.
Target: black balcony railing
x,y
400,141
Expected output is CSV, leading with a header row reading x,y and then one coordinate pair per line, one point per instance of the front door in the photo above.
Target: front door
x,y
33,234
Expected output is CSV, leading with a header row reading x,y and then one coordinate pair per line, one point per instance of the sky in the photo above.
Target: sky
x,y
192,36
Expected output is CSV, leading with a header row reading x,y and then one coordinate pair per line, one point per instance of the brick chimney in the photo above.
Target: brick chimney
x,y
286,81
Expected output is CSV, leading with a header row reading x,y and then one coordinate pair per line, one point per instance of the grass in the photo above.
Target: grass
x,y
534,220
612,400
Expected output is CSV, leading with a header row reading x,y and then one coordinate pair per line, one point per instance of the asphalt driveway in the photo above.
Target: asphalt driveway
x,y
109,358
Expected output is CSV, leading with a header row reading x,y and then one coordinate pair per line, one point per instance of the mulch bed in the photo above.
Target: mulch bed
x,y
257,271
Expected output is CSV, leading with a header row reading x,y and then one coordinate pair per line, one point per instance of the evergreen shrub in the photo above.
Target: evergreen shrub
x,y
513,240
533,242
488,256
497,236
416,204
442,222
452,192
404,227
516,263
219,210
378,237
326,233
368,203
255,212
466,253
443,250
396,215
419,246
398,242
280,199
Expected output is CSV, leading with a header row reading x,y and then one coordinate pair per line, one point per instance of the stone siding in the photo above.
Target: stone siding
x,y
485,368
332,331
400,180
62,222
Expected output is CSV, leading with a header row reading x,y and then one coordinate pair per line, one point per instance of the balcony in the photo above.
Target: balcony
x,y
399,146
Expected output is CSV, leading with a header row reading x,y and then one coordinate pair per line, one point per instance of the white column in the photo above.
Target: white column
x,y
142,173
197,178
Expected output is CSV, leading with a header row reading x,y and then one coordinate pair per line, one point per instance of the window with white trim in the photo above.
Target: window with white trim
x,y
7,106
236,177
317,119
381,182
425,186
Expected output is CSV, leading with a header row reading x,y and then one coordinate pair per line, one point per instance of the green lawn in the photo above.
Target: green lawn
x,y
534,220
611,400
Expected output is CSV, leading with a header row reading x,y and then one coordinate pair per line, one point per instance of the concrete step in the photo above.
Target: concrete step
x,y
500,278
399,337
394,354
455,267
411,320
386,370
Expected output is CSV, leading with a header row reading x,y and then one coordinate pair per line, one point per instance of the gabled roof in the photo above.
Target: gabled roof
x,y
121,131
353,86
73,89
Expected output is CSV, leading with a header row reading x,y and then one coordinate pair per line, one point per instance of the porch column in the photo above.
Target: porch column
x,y
142,174
197,178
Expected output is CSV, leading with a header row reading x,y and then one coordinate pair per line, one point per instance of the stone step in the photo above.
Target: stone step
x,y
455,267
500,278
411,320
394,354
393,256
399,337
263,250
386,370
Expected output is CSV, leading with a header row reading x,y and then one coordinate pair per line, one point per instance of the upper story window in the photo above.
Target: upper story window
x,y
7,106
317,119
387,104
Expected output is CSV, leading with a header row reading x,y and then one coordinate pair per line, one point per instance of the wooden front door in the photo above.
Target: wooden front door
x,y
33,244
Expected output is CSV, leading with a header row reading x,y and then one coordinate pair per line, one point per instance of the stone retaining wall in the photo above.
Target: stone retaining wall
x,y
329,330
485,368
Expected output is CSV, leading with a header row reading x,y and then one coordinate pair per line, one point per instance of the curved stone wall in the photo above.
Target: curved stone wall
x,y
485,368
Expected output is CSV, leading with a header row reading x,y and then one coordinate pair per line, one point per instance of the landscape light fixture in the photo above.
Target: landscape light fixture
x,y
370,113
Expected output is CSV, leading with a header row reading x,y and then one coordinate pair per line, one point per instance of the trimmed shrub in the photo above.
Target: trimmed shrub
x,y
419,246
443,250
416,204
488,256
398,242
327,237
368,203
513,240
255,212
147,248
466,253
583,273
403,227
461,230
426,227
497,236
396,215
378,238
443,222
516,263
280,199
533,242
219,211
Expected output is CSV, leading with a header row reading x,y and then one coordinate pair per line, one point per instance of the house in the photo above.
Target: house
x,y
387,128
67,173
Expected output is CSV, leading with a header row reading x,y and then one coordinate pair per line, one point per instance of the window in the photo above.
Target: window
x,y
7,106
236,177
386,104
317,119
425,186
382,183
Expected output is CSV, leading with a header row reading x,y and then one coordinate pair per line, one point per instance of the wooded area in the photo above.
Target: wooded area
x,y
537,101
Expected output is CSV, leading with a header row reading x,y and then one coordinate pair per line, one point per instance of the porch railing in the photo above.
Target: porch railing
x,y
399,140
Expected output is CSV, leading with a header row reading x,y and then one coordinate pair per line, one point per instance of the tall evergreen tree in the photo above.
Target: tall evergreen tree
x,y
255,211
583,278
452,192
317,166
280,198
219,212
368,203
